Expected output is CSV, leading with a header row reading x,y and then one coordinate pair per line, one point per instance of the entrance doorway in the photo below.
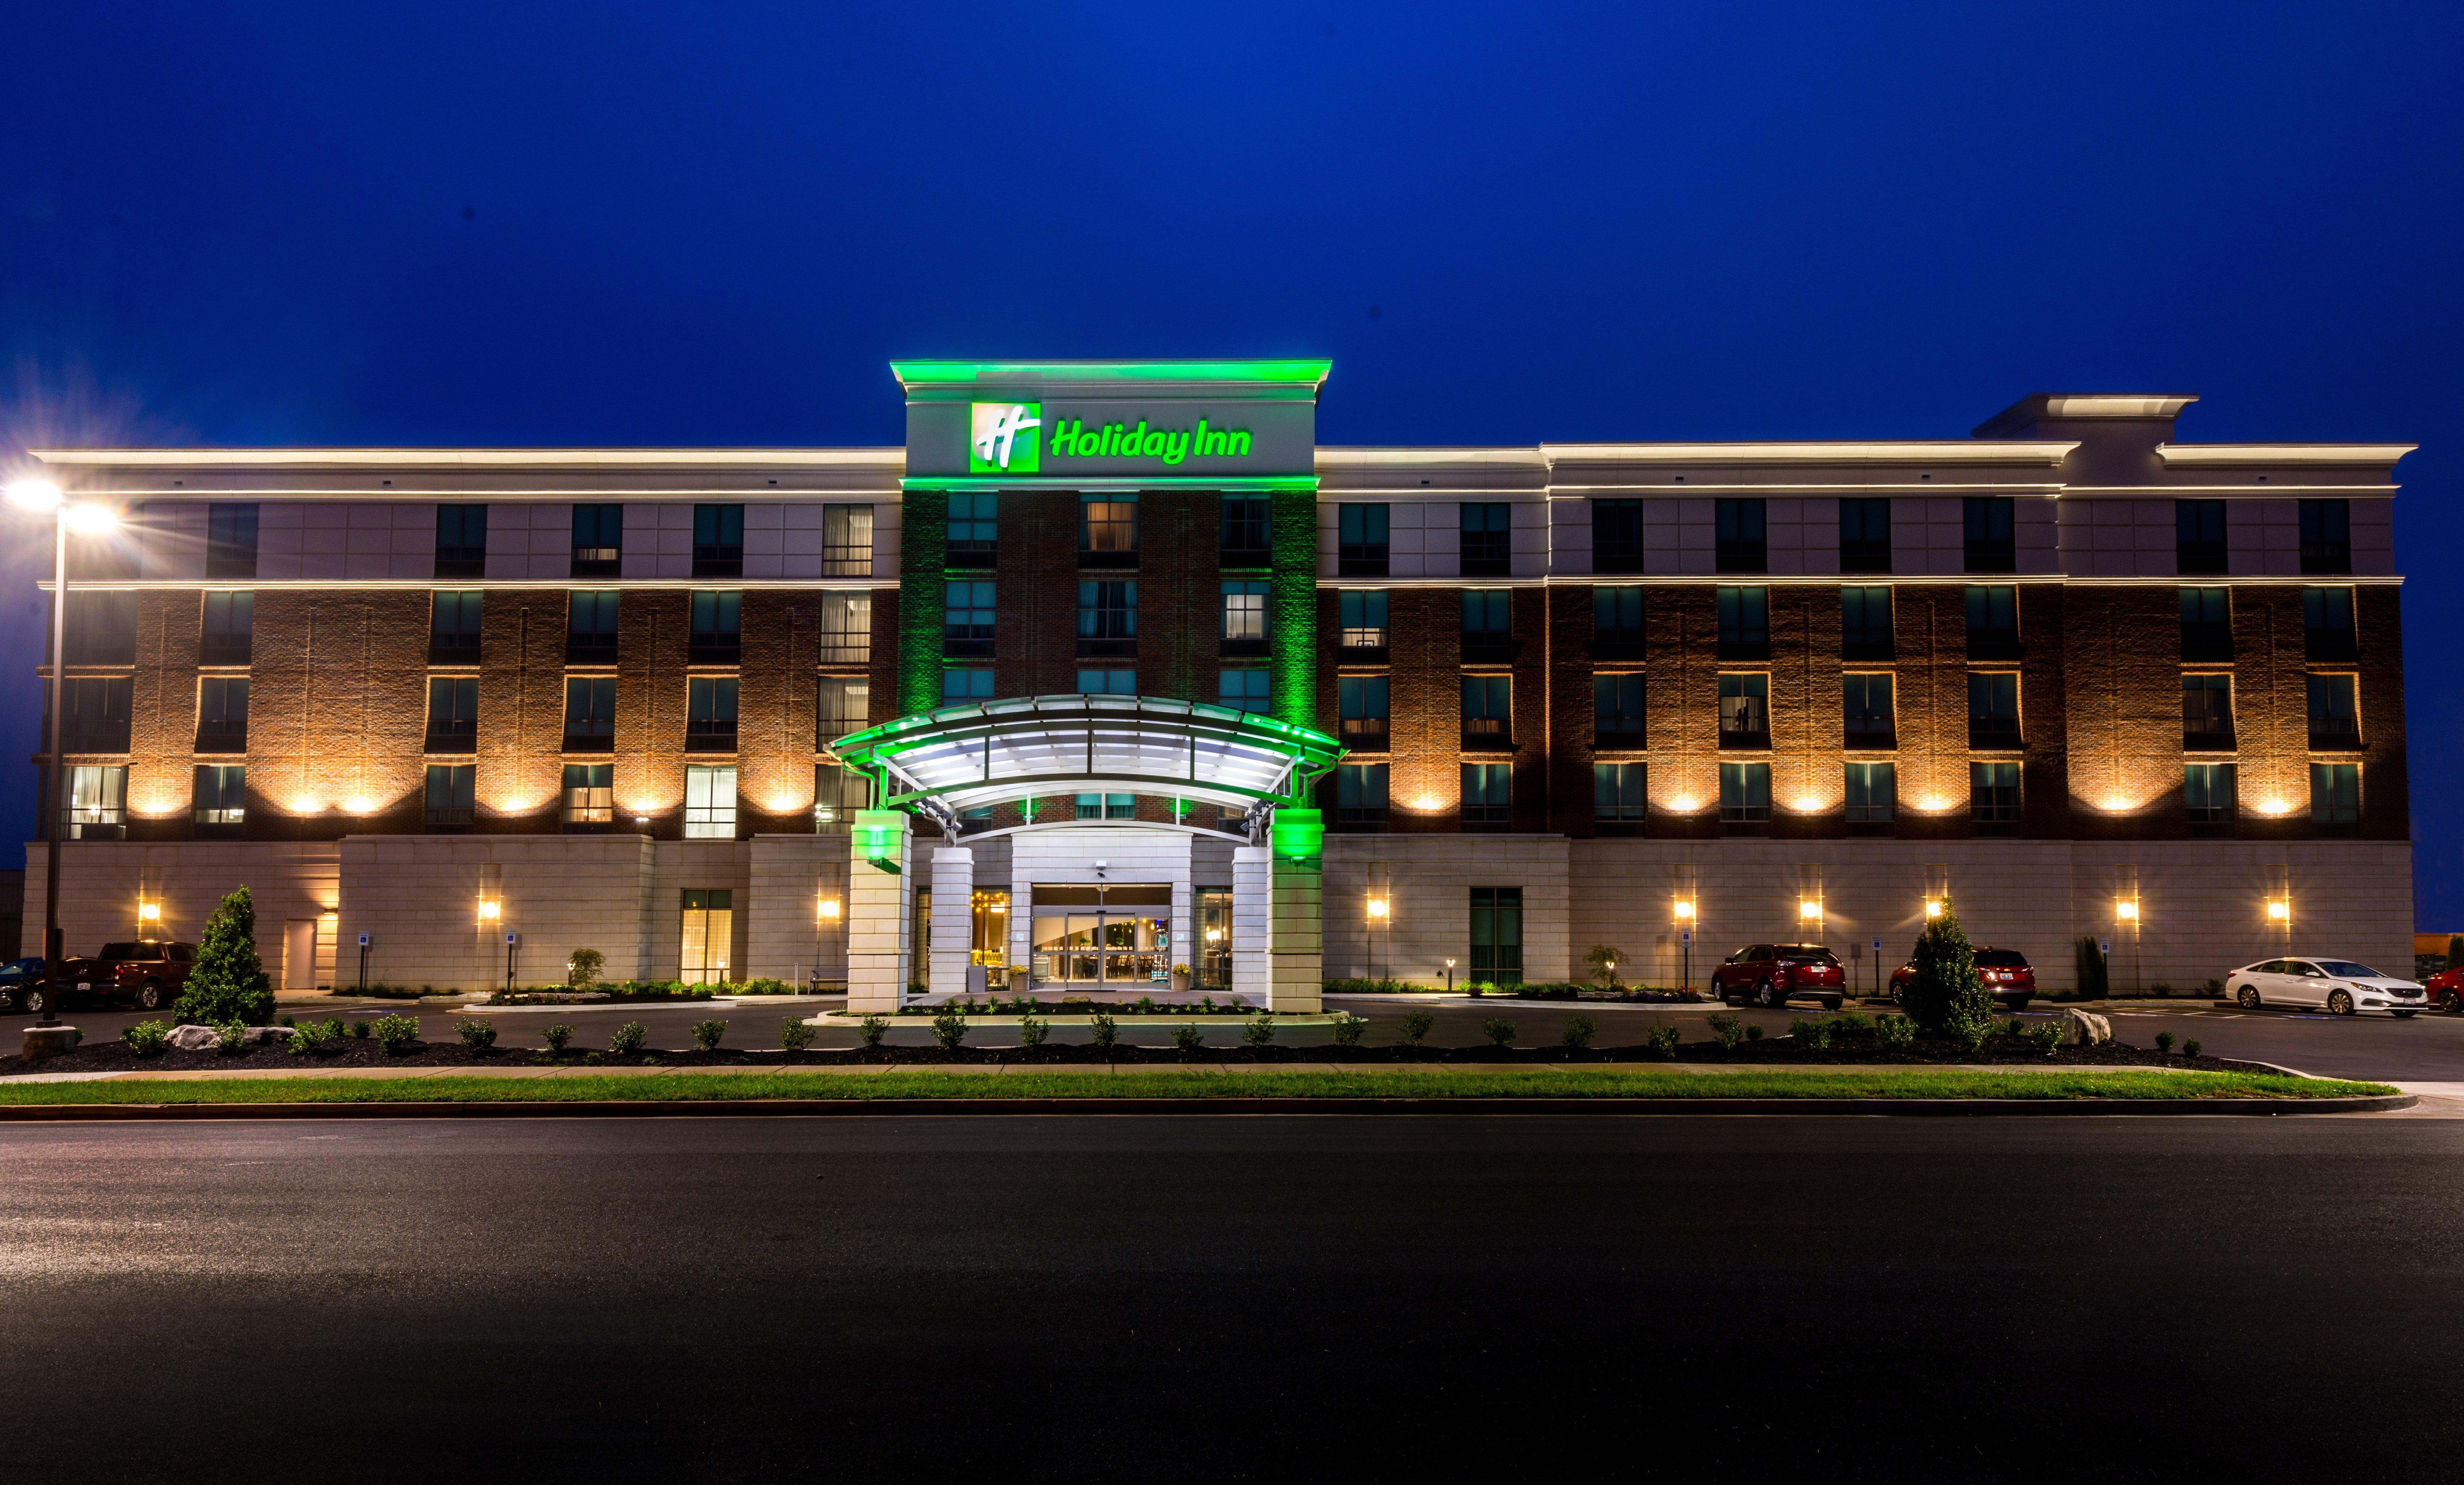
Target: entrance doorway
x,y
1102,937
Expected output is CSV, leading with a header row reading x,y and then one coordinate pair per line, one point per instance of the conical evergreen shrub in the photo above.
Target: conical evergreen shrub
x,y
1944,996
229,983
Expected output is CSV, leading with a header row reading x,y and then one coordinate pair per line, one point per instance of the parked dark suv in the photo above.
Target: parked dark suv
x,y
1772,974
2005,973
146,973
22,983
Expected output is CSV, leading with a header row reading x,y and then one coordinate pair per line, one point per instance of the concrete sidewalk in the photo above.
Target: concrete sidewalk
x,y
995,1069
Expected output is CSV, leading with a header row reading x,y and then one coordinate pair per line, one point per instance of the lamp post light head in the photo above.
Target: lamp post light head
x,y
1450,964
91,520
35,494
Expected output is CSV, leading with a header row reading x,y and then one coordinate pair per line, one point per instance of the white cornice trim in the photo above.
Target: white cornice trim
x,y
475,458
1371,458
1909,451
2284,454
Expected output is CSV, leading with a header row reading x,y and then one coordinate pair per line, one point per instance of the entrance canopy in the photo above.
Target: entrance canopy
x,y
999,752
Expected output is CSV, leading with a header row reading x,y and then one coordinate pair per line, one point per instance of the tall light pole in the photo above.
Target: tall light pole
x,y
39,494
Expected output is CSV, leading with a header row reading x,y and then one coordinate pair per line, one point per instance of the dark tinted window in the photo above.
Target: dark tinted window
x,y
1811,954
2001,959
128,951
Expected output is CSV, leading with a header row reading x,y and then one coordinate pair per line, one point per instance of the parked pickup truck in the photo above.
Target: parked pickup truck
x,y
146,973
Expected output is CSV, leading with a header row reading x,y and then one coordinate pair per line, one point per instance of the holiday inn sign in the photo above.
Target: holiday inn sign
x,y
1006,438
1230,424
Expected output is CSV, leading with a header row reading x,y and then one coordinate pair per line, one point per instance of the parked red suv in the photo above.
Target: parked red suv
x,y
147,973
2005,972
1772,974
2446,990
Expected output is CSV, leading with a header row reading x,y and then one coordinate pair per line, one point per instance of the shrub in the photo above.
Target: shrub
x,y
950,1028
2214,989
872,1028
146,1039
1206,1004
706,1035
311,1038
594,1057
2089,961
228,982
1260,1030
1185,1037
794,1036
2044,1037
581,970
1661,1042
1852,1023
1753,1031
1603,959
477,1034
1898,1030
1348,1029
2165,1042
1945,997
1103,1031
1499,1031
1032,1032
2161,991
231,1037
1814,1034
1416,1025
359,1030
1579,1030
2189,1048
557,1036
629,1038
1726,1030
395,1033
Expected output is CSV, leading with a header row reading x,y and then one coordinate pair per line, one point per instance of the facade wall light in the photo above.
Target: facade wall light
x,y
1684,910
2279,911
1809,910
2127,912
828,908
149,912
1377,907
489,909
1933,907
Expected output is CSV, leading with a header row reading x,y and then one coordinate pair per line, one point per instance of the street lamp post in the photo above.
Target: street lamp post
x,y
37,494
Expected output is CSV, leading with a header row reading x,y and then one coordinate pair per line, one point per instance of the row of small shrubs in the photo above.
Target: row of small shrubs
x,y
396,1033
1028,1006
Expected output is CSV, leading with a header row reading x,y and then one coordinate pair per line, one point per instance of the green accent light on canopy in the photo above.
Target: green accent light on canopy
x,y
912,373
1299,835
877,835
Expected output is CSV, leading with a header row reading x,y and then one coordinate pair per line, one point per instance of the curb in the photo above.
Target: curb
x,y
757,1109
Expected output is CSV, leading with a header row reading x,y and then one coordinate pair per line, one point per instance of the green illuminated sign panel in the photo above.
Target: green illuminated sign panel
x,y
1072,439
1002,437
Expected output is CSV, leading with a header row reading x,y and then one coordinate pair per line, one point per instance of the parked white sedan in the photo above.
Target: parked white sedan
x,y
2339,985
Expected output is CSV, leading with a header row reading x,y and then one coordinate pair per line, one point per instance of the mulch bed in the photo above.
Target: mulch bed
x,y
114,1057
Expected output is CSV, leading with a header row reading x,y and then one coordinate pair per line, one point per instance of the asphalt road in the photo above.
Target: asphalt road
x,y
1234,1299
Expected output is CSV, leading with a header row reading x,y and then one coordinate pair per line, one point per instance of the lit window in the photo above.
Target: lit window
x,y
709,801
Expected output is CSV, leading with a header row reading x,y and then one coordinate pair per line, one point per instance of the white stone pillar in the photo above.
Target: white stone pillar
x,y
953,925
1298,935
1251,887
880,911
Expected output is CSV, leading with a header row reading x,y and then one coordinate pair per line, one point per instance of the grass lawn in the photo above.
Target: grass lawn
x,y
1097,1084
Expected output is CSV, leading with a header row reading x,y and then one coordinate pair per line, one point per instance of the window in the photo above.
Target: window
x,y
1616,622
718,541
2335,724
1361,701
589,795
709,801
717,628
1740,546
964,684
2199,538
1109,530
1867,720
1108,806
96,718
461,541
1488,625
1865,623
598,540
1745,711
2207,624
838,792
1989,547
1360,793
2208,793
1108,619
1214,938
97,802
231,541
1245,618
1745,799
2206,712
967,619
1617,712
1497,934
222,714
1360,541
709,713
707,934
590,627
975,530
1873,794
2335,798
101,629
228,629
218,798
1109,682
1745,623
2327,624
840,707
1992,623
1994,794
1245,689
1617,536
1361,616
847,538
453,714
1866,537
454,628
590,713
1488,795
1487,712
847,629
450,789
1487,549
2327,536
1617,793
1994,710
1246,542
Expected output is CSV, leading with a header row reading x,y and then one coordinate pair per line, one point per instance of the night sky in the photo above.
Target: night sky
x,y
615,223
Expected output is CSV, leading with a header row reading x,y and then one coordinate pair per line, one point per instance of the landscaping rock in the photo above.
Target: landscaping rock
x,y
203,1039
2086,1029
50,1041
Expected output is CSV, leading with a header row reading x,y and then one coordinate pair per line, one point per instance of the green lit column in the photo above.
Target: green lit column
x,y
1295,923
923,550
1292,608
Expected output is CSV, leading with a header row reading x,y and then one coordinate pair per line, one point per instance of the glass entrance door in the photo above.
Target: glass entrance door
x,y
1082,942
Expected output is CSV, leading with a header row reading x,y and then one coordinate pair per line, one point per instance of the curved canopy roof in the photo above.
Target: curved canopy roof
x,y
992,752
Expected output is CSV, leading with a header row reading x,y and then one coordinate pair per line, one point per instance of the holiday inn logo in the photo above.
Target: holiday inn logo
x,y
1012,438
1001,437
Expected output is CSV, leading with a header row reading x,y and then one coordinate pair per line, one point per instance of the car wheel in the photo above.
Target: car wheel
x,y
2248,996
2339,1003
2404,1015
1834,1004
1768,996
2018,1003
150,995
39,999
2451,1002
